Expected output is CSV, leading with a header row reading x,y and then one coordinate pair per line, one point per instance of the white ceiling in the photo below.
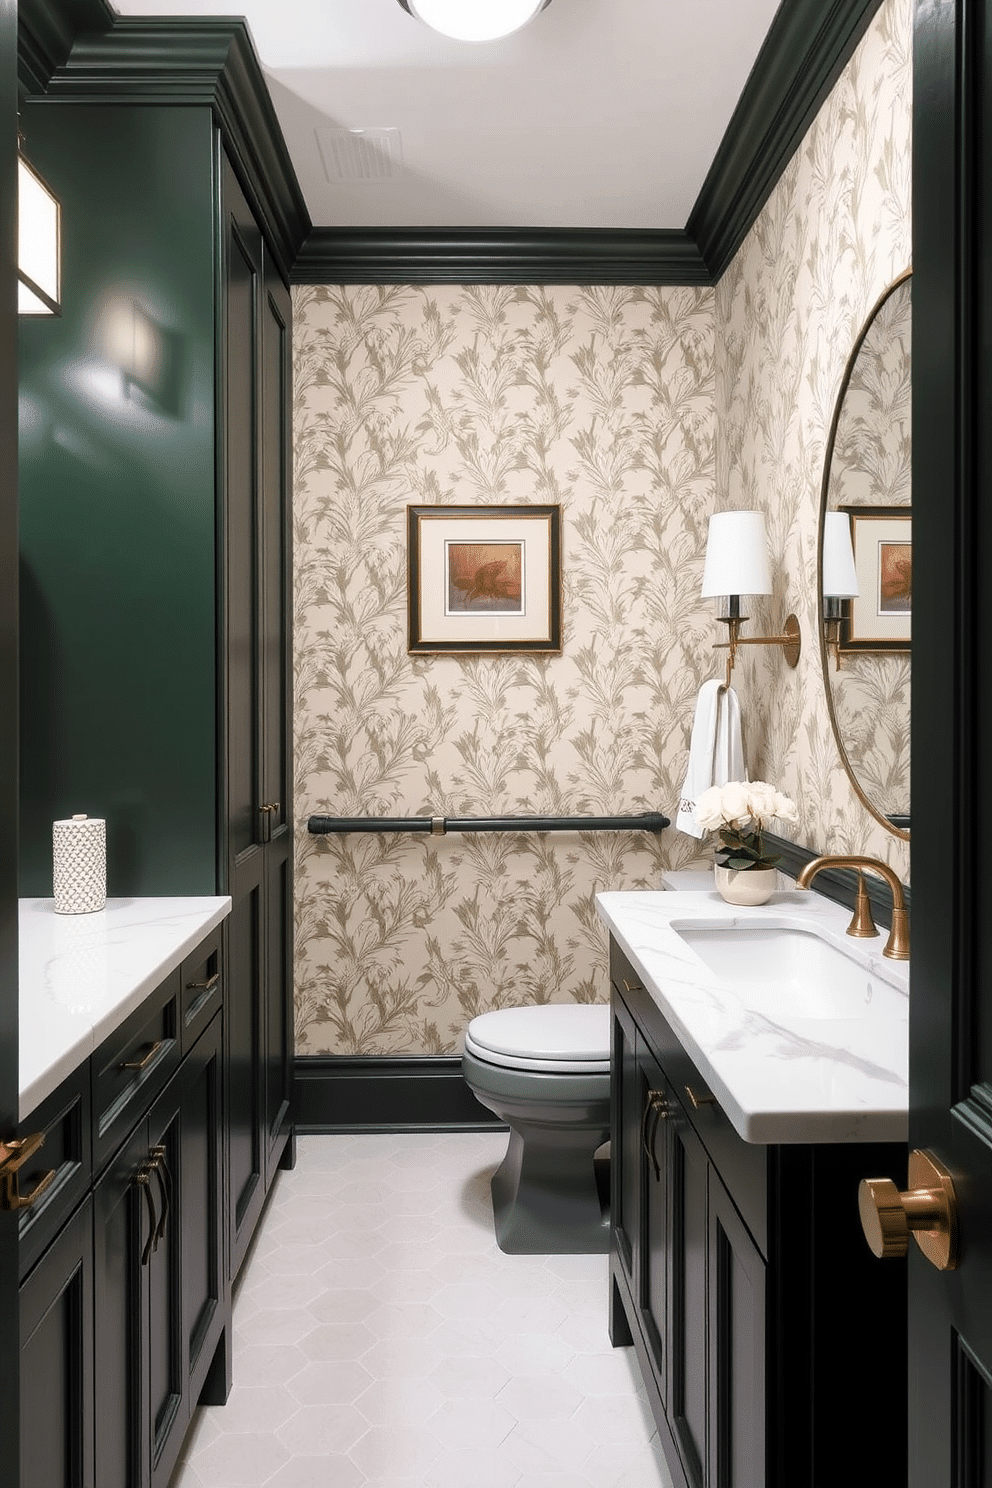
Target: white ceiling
x,y
600,113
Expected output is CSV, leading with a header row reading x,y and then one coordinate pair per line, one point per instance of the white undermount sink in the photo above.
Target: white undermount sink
x,y
784,970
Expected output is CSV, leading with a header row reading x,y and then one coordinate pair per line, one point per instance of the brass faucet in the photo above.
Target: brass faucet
x,y
897,945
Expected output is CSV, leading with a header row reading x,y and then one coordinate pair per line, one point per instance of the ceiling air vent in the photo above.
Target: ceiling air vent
x,y
361,154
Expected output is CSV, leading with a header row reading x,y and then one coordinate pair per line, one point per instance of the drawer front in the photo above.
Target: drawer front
x,y
202,990
66,1153
743,1166
132,1066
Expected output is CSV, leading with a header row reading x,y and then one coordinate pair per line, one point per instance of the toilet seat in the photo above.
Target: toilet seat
x,y
554,1038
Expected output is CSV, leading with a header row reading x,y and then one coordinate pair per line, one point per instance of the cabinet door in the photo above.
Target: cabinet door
x,y
122,1224
200,1184
736,1347
688,1244
56,1319
655,1159
257,667
275,526
627,1104
246,823
164,1351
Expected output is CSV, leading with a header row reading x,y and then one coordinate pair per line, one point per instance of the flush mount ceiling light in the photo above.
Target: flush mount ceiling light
x,y
474,20
38,242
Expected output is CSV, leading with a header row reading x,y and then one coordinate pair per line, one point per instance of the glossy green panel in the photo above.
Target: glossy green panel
x,y
118,672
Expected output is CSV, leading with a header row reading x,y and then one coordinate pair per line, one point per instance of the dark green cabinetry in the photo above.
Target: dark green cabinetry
x,y
155,493
740,1275
259,840
125,1292
56,1314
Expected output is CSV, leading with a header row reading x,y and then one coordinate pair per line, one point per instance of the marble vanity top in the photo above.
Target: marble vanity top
x,y
787,1076
81,975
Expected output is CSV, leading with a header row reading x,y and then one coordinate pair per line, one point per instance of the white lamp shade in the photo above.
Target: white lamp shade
x,y
37,244
736,555
474,20
840,581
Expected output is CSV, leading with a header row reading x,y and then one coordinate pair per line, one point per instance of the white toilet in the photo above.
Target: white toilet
x,y
545,1071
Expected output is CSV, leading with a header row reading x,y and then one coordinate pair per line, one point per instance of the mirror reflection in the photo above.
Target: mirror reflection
x,y
865,573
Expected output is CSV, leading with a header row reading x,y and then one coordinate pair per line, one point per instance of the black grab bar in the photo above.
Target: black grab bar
x,y
647,821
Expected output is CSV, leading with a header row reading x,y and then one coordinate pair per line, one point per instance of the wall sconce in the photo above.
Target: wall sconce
x,y
480,20
839,579
39,242
737,563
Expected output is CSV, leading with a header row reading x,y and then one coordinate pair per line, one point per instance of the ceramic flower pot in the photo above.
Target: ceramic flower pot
x,y
745,886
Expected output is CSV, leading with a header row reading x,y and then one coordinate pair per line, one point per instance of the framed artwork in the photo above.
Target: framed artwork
x,y
484,578
880,615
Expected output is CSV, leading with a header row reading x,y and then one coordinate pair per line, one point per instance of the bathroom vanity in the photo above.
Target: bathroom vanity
x,y
771,1341
124,1229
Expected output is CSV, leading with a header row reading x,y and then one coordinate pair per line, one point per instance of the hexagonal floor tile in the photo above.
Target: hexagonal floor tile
x,y
383,1340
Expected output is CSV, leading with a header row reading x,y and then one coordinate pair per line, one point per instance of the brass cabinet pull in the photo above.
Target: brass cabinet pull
x,y
142,1064
657,1106
631,986
206,986
143,1180
24,1201
13,1156
272,806
696,1100
161,1168
927,1210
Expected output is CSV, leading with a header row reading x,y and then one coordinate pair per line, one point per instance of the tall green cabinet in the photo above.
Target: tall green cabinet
x,y
155,486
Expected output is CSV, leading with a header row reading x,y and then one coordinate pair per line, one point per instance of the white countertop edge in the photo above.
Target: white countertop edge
x,y
120,954
797,1116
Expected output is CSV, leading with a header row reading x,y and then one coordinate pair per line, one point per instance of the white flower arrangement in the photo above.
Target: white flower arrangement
x,y
739,811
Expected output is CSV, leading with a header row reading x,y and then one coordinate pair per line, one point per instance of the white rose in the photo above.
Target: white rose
x,y
762,797
709,808
784,808
736,806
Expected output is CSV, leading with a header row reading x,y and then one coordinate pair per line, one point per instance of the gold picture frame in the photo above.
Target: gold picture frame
x,y
880,617
484,578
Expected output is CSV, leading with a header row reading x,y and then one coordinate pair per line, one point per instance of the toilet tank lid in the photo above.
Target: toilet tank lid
x,y
557,1030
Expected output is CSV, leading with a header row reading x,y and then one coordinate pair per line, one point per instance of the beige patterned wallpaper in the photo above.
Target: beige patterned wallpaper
x,y
639,411
598,399
834,234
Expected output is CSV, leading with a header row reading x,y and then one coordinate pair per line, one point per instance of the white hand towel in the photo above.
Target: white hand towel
x,y
716,750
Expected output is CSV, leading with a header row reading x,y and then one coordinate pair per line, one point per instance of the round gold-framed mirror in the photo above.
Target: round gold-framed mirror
x,y
865,543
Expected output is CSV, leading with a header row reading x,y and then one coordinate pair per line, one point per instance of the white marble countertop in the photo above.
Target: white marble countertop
x,y
787,1078
81,975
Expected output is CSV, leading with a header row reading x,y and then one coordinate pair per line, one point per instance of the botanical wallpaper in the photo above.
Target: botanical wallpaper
x,y
834,234
597,399
871,466
639,411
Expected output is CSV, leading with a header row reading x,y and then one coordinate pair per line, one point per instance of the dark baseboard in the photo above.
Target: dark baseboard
x,y
366,1093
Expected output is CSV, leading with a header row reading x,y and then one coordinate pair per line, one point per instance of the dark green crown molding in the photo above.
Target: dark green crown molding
x,y
46,30
807,47
186,63
509,255
79,50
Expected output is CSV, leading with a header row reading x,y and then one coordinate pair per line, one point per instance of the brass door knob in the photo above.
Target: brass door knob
x,y
927,1211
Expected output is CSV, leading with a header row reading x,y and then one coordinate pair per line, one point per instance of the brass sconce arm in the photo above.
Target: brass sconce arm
x,y
790,640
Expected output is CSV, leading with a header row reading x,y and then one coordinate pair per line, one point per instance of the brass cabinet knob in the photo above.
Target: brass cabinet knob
x,y
927,1211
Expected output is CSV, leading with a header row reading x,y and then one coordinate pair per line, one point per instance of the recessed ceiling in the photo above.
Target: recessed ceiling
x,y
599,114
